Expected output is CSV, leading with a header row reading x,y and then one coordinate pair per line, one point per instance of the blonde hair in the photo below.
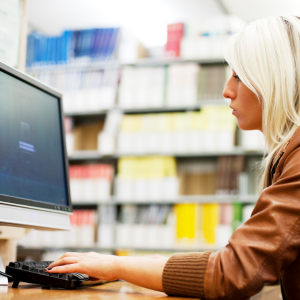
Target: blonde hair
x,y
266,57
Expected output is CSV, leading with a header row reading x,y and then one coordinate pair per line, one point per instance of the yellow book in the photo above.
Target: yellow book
x,y
156,166
211,217
148,123
170,169
125,125
180,123
161,122
201,120
226,119
140,168
189,120
126,167
170,122
211,114
199,224
136,123
185,223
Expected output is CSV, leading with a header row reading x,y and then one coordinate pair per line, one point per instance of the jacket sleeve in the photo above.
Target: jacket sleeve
x,y
255,254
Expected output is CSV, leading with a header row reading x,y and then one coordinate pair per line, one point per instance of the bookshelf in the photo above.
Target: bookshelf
x,y
114,227
197,199
168,61
94,155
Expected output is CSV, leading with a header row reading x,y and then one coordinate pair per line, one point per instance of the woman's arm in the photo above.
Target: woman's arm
x,y
142,271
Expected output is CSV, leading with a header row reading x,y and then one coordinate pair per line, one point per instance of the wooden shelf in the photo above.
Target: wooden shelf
x,y
94,154
141,110
90,66
200,199
166,61
106,64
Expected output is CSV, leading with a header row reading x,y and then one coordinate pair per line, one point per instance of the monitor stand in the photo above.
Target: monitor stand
x,y
3,279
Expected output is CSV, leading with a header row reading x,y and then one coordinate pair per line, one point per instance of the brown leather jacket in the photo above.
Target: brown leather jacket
x,y
261,251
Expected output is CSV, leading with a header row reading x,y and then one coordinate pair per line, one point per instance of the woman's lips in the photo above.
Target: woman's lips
x,y
233,110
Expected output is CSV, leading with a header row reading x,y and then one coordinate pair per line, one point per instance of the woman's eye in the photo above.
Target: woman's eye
x,y
237,77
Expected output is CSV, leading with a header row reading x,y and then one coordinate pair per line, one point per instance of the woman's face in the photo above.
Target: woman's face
x,y
246,106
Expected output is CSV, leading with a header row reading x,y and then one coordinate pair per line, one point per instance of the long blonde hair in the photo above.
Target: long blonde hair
x,y
266,57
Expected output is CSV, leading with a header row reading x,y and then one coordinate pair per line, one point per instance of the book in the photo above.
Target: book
x,y
146,178
211,218
185,223
82,234
175,33
91,183
72,46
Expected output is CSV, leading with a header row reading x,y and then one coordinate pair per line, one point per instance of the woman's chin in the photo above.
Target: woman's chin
x,y
246,127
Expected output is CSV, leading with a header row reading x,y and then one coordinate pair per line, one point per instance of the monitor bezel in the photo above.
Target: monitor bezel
x,y
28,203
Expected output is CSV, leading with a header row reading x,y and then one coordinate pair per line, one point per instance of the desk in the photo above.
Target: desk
x,y
110,291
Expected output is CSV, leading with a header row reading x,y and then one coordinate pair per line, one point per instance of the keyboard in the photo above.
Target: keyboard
x,y
34,272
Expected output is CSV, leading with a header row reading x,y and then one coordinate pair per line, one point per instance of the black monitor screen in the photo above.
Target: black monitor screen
x,y
32,163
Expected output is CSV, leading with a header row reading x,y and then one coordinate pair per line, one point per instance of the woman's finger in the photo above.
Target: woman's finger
x,y
64,261
65,269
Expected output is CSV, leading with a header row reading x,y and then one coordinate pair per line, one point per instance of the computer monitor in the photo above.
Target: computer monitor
x,y
34,182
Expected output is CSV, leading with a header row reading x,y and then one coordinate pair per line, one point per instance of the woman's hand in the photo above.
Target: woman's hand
x,y
97,266
142,271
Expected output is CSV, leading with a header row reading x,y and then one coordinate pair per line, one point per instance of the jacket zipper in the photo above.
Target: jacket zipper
x,y
277,158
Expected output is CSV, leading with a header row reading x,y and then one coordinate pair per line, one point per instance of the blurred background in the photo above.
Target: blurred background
x,y
157,163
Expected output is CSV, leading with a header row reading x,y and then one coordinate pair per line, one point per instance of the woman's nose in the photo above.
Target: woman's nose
x,y
229,90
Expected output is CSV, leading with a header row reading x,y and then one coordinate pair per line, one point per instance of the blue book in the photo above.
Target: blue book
x,y
63,47
106,42
99,42
43,49
76,43
48,50
88,42
113,43
103,42
58,50
95,36
69,48
36,46
52,50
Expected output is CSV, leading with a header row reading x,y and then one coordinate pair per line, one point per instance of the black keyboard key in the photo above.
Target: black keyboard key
x,y
14,264
34,270
45,273
85,277
26,267
64,276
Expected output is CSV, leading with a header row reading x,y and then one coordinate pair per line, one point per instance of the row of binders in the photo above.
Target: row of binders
x,y
160,178
83,91
90,183
175,85
94,44
211,129
182,226
203,39
82,234
146,178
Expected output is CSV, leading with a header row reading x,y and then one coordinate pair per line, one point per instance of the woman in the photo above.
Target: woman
x,y
264,90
